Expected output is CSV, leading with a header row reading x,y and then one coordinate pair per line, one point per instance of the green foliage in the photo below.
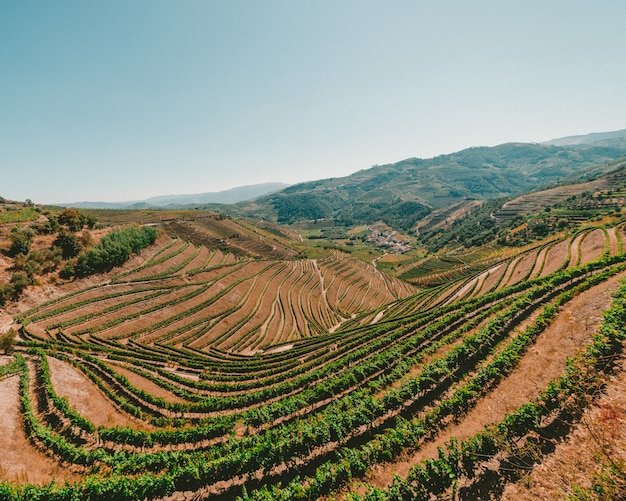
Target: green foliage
x,y
398,214
21,240
38,262
114,250
19,215
400,193
67,271
75,220
305,206
20,280
7,341
7,292
478,227
69,244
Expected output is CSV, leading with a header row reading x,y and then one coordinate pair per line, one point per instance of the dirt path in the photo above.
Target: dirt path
x,y
543,362
20,461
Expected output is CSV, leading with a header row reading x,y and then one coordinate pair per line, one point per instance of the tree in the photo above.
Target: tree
x,y
68,271
20,280
7,341
20,242
72,219
86,239
68,243
7,291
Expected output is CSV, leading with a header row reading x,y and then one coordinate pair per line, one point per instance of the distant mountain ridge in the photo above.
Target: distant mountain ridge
x,y
402,193
613,139
231,196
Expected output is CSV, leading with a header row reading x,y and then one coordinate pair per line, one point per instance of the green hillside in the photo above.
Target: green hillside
x,y
402,193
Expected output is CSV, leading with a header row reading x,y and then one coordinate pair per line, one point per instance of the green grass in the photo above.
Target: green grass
x,y
19,215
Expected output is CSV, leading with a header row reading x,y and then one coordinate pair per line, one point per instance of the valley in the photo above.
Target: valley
x,y
191,354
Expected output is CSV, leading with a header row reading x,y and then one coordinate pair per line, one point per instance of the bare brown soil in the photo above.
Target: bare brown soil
x,y
555,257
86,397
543,362
495,274
593,246
509,271
145,384
523,268
539,262
183,251
613,242
597,438
575,250
20,461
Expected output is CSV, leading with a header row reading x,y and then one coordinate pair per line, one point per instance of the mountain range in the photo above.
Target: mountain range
x,y
230,196
613,139
402,193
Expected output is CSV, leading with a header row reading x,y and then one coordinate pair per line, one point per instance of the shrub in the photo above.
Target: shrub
x,y
67,271
7,291
114,250
7,342
68,243
20,242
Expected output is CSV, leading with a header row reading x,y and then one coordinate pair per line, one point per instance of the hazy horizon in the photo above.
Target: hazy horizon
x,y
130,100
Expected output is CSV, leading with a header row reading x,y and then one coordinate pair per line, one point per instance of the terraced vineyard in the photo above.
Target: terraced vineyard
x,y
199,374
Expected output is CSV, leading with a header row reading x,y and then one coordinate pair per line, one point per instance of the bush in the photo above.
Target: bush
x,y
7,291
68,243
20,280
67,271
114,250
7,342
75,220
20,242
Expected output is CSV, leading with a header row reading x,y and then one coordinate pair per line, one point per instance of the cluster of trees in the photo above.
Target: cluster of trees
x,y
28,265
398,213
477,228
73,245
114,249
305,206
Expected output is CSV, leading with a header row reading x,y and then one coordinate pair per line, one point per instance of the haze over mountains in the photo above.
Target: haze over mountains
x,y
403,192
231,196
613,139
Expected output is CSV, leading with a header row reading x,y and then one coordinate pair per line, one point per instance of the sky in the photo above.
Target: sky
x,y
127,99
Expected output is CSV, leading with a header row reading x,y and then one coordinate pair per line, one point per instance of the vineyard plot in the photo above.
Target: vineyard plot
x,y
289,379
235,305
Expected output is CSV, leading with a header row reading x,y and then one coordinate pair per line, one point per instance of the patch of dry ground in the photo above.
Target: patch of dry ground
x,y
544,361
20,461
599,436
86,397
145,384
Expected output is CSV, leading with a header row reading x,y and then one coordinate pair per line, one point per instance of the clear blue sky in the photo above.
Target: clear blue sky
x,y
123,100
